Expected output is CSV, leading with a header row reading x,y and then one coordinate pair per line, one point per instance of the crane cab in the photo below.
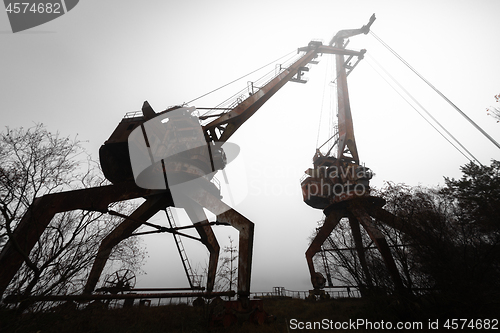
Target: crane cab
x,y
333,180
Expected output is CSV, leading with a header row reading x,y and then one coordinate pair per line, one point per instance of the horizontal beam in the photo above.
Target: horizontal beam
x,y
166,289
17,299
364,248
325,49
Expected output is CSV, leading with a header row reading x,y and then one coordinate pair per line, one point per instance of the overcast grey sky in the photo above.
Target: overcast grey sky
x,y
80,73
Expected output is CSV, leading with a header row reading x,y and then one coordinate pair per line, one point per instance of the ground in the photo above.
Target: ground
x,y
286,315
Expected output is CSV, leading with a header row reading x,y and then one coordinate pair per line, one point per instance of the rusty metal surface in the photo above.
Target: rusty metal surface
x,y
331,221
196,213
245,227
346,130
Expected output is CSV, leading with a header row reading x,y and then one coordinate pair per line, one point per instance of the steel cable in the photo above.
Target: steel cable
x,y
425,110
436,90
225,85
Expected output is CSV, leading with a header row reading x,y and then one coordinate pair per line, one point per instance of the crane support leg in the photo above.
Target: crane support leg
x,y
360,249
331,222
246,230
245,227
144,212
196,213
381,243
43,209
393,221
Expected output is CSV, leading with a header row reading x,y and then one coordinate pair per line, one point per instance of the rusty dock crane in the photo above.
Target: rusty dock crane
x,y
339,185
153,155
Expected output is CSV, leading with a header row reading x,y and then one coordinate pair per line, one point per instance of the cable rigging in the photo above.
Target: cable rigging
x,y
424,109
435,89
225,85
332,106
326,79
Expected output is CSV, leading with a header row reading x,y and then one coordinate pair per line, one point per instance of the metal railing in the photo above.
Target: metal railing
x,y
133,114
342,292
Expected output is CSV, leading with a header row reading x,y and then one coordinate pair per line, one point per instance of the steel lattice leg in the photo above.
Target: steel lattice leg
x,y
358,241
381,243
331,222
196,214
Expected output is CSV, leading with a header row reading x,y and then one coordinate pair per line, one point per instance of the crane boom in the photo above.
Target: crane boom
x,y
342,34
230,121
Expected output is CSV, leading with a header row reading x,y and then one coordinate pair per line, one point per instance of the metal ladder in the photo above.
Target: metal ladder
x,y
193,279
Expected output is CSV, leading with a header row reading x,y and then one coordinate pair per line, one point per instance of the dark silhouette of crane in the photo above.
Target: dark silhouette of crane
x,y
340,184
172,160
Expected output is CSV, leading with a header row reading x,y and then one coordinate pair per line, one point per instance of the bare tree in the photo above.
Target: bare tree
x,y
226,277
448,238
35,162
340,262
495,111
